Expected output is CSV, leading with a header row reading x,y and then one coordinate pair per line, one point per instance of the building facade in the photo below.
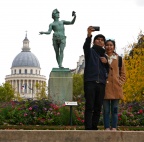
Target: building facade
x,y
25,72
80,66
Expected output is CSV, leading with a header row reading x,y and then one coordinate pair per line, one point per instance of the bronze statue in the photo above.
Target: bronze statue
x,y
59,38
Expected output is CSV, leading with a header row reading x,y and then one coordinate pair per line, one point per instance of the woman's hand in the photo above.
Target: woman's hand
x,y
103,60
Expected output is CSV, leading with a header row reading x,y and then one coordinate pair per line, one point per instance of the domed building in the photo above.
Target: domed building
x,y
25,72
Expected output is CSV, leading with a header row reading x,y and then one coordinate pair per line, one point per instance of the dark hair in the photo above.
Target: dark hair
x,y
101,36
113,42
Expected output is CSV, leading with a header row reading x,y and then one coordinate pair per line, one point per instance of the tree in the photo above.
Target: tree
x,y
41,90
6,92
78,91
134,62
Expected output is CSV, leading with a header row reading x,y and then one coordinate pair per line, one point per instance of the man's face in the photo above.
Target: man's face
x,y
99,41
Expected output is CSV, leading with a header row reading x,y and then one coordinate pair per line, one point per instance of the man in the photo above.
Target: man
x,y
95,75
59,38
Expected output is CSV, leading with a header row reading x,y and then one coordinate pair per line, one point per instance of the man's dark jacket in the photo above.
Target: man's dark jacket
x,y
94,70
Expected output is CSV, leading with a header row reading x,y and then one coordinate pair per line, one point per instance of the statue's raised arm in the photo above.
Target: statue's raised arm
x,y
73,20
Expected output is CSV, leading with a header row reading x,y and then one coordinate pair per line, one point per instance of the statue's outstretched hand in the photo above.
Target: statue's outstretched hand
x,y
41,33
73,13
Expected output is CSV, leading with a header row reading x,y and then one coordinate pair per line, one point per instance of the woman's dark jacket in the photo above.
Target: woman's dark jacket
x,y
94,70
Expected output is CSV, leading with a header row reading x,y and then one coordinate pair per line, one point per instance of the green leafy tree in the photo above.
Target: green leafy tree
x,y
41,90
134,62
6,92
78,91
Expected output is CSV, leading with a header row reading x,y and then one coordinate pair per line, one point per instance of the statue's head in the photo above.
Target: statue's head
x,y
55,11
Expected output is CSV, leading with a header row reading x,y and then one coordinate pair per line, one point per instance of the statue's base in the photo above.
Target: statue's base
x,y
60,69
60,86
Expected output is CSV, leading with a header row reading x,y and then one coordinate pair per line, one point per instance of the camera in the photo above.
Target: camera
x,y
96,28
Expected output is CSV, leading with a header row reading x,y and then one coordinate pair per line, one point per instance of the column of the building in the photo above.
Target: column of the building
x,y
19,86
22,88
31,86
27,88
16,85
12,84
39,84
34,88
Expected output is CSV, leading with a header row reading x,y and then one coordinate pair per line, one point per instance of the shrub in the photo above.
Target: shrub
x,y
43,112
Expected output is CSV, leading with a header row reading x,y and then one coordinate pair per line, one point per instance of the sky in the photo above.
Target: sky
x,y
121,20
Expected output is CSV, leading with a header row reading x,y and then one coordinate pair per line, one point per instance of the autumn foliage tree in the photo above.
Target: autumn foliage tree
x,y
134,62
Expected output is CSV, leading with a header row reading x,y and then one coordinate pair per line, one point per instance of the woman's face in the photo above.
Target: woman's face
x,y
109,47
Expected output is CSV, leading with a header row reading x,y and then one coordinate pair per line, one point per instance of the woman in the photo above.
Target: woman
x,y
113,92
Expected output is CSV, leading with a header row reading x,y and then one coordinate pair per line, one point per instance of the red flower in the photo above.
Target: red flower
x,y
119,115
140,111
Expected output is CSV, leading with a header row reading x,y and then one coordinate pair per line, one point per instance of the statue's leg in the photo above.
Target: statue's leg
x,y
62,46
56,48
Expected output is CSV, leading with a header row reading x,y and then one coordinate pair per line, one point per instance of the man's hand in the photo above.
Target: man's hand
x,y
103,60
90,30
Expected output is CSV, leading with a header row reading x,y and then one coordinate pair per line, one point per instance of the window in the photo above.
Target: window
x,y
19,71
31,71
25,71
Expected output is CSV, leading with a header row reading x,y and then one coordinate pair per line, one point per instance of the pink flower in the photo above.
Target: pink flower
x,y
58,113
30,108
45,108
25,114
50,109
82,121
130,108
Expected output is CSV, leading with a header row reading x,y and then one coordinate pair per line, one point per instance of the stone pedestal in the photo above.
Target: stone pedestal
x,y
60,86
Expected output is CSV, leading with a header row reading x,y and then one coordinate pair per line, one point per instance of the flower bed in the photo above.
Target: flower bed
x,y
42,112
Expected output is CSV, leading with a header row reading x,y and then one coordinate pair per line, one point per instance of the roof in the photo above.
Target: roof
x,y
25,59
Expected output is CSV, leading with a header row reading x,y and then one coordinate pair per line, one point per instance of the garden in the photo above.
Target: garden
x,y
41,114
